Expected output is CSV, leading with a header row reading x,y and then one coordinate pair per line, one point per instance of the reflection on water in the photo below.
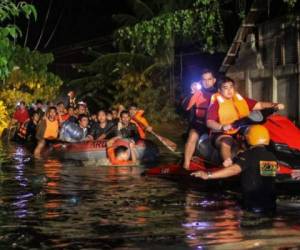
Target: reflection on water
x,y
47,204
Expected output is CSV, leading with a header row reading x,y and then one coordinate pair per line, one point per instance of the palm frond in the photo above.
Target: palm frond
x,y
141,10
125,19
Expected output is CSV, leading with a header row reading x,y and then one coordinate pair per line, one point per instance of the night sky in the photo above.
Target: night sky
x,y
85,23
81,21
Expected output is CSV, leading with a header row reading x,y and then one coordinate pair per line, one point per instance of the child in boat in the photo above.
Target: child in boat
x,y
228,106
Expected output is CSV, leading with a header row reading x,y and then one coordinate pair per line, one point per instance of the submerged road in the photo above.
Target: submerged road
x,y
48,204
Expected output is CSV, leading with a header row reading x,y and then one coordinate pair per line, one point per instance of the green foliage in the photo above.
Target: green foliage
x,y
141,11
152,37
29,80
290,3
127,78
9,10
140,72
3,117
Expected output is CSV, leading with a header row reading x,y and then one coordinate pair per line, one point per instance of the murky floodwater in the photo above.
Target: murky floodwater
x,y
47,204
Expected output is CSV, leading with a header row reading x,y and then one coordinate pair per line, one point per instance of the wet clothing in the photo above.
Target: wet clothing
x,y
226,112
111,154
259,168
213,110
96,131
129,132
21,115
47,129
63,117
198,104
26,132
72,132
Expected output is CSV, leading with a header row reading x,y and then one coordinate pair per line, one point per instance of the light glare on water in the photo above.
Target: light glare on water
x,y
47,204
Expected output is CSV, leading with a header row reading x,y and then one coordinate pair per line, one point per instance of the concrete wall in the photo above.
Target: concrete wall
x,y
268,66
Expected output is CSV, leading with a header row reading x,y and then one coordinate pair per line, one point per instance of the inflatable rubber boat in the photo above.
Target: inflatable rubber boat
x,y
147,151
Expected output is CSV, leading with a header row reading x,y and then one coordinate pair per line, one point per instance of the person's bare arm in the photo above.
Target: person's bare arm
x,y
101,137
222,173
133,152
217,126
265,105
89,138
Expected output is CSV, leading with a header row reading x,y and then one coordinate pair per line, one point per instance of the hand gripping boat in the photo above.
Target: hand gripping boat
x,y
285,144
147,151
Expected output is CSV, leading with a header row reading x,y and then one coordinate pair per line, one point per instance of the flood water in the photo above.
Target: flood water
x,y
47,204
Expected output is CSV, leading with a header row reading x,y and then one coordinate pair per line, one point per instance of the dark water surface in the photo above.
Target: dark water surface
x,y
47,204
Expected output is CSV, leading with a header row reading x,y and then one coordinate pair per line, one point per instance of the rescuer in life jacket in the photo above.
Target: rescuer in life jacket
x,y
197,103
27,130
137,117
257,167
121,152
228,106
75,132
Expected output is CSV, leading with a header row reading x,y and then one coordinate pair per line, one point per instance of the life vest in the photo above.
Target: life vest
x,y
112,156
63,118
200,101
231,110
141,123
51,130
22,132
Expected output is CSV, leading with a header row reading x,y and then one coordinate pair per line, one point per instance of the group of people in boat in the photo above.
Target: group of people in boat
x,y
42,124
214,107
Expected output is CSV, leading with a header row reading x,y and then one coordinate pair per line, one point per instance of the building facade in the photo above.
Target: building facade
x,y
266,65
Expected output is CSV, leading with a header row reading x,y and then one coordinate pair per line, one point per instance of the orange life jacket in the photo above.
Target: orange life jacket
x,y
231,110
141,123
52,129
112,156
22,133
200,100
63,118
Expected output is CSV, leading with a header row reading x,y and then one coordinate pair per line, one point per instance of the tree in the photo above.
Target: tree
x,y
157,37
30,79
9,32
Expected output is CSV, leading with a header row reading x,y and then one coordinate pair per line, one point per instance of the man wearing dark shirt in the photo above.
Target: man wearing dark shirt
x,y
127,129
257,167
102,129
